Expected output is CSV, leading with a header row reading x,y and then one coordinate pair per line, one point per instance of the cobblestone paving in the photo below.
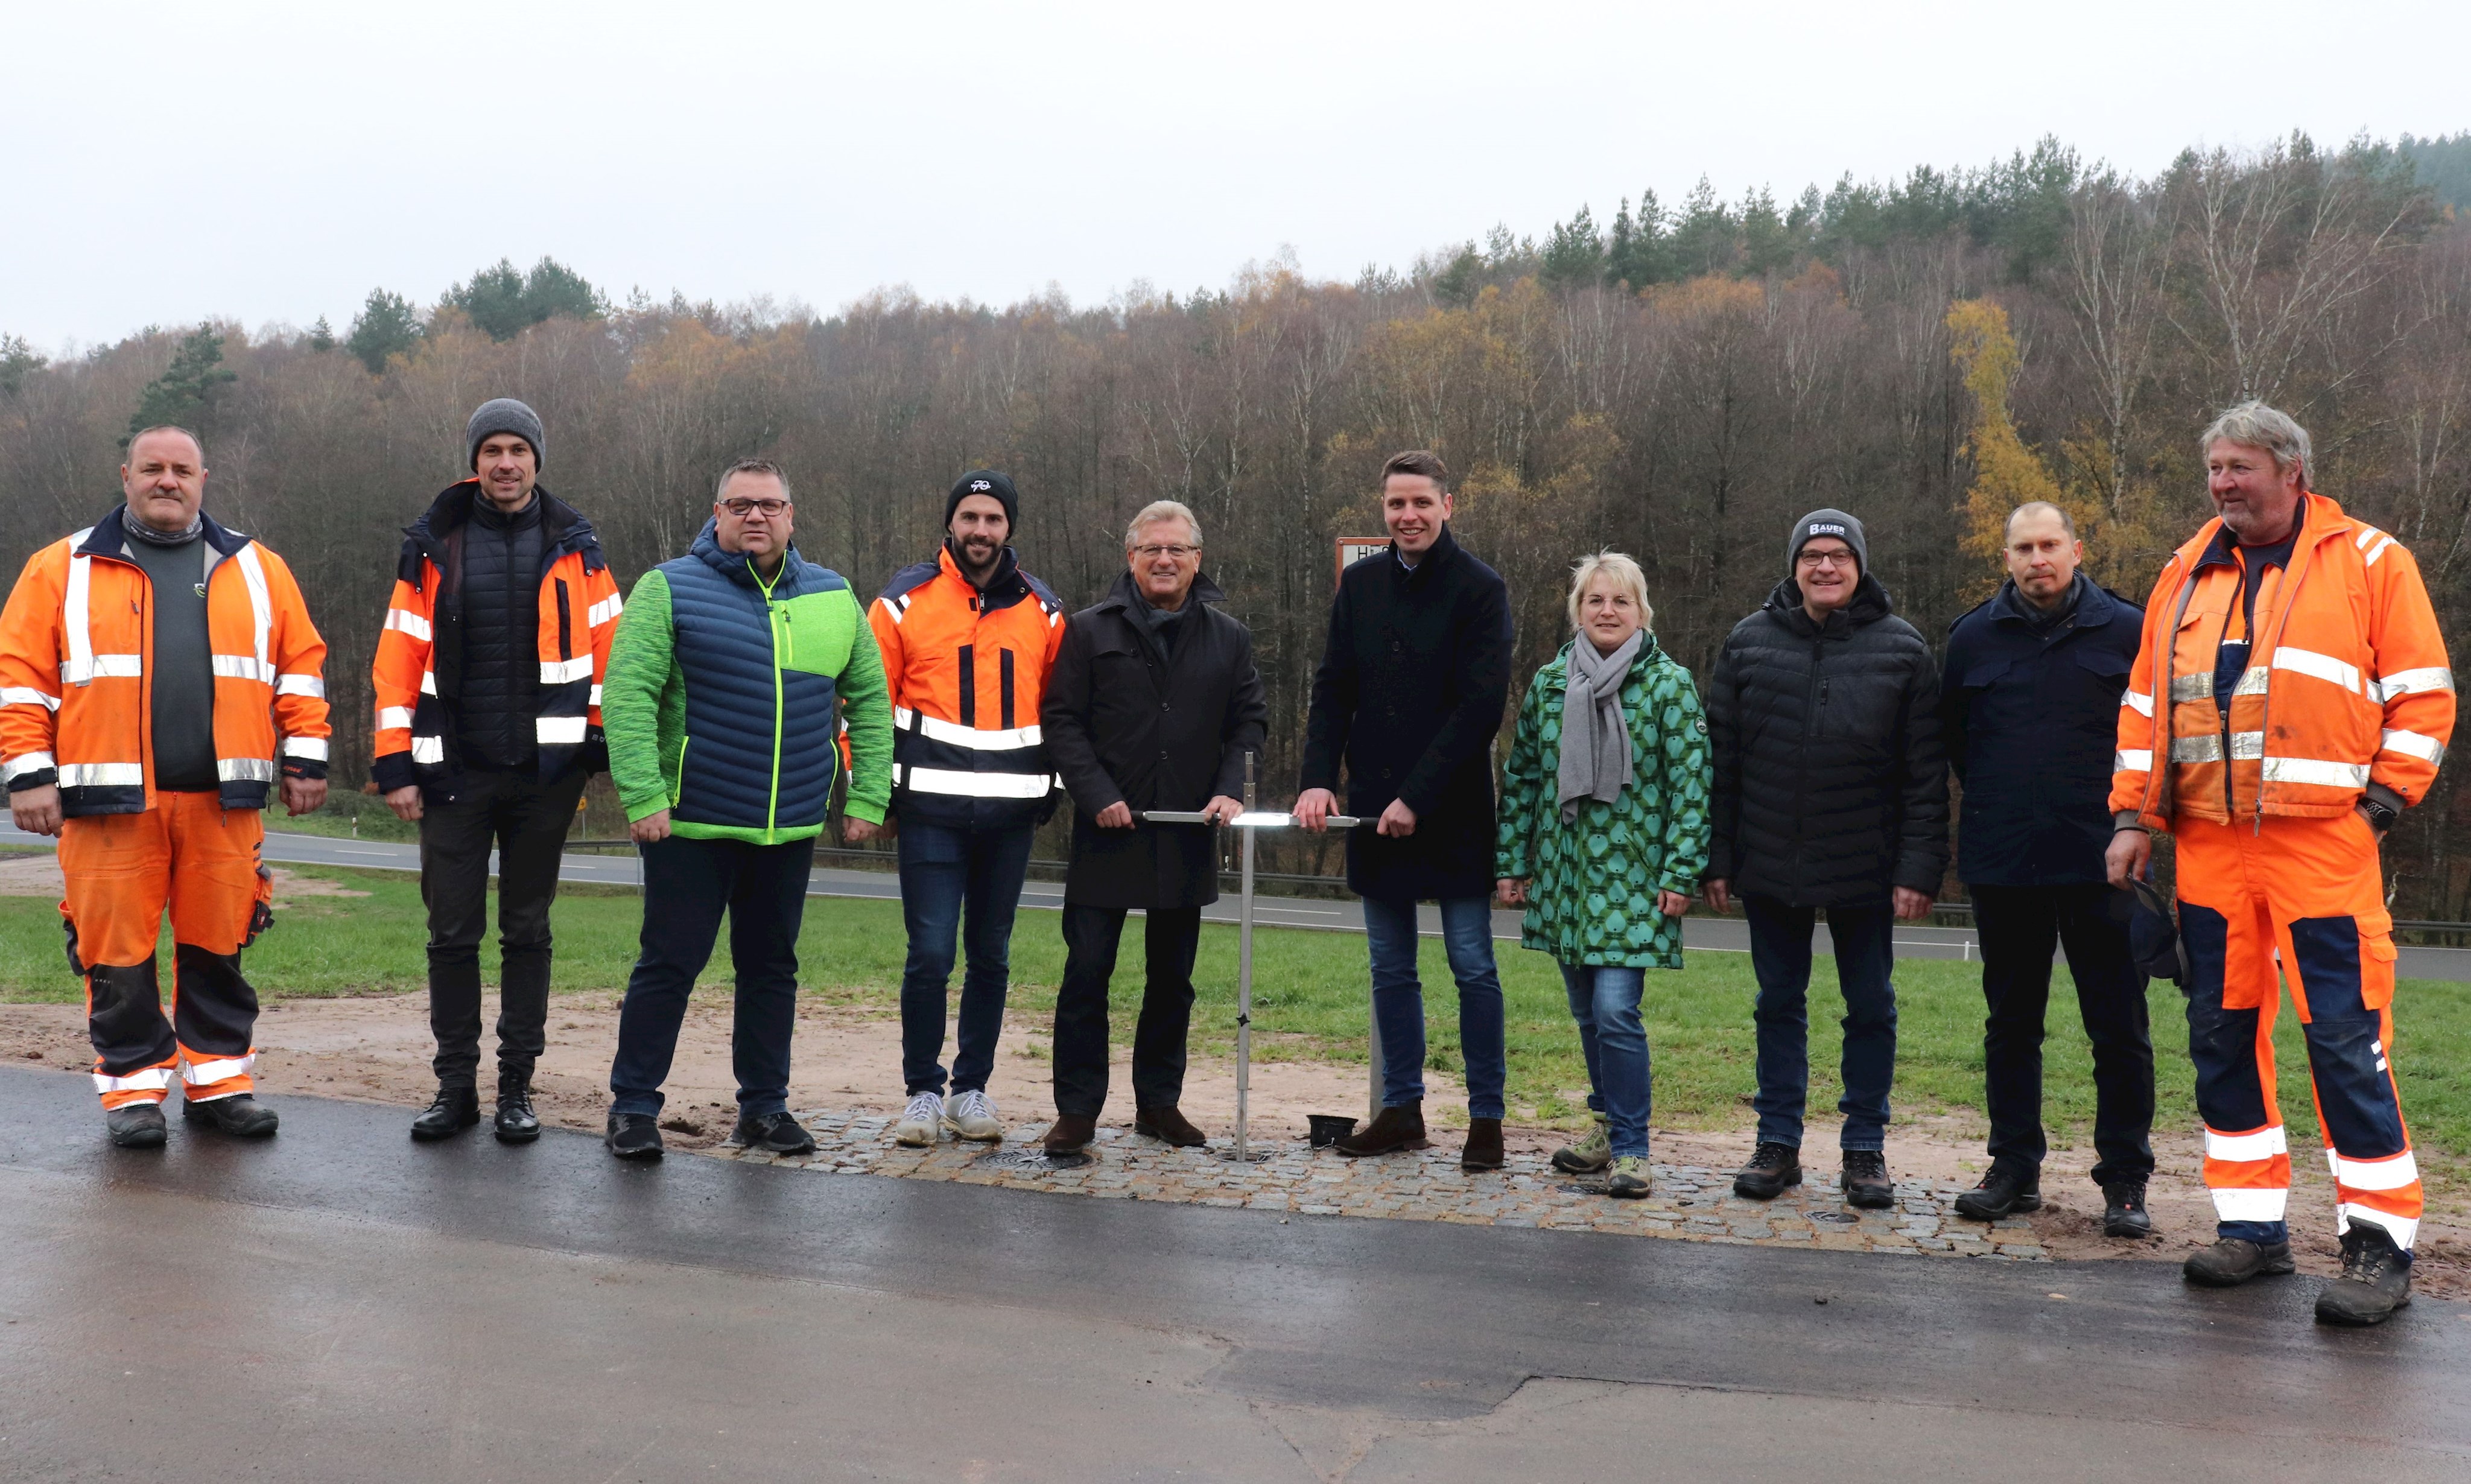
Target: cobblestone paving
x,y
1689,1203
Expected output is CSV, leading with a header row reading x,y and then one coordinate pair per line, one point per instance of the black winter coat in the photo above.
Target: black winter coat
x,y
1830,784
1126,723
2031,724
499,703
1412,685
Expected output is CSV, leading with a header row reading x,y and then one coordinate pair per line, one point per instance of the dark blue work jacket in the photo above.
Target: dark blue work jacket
x,y
2031,725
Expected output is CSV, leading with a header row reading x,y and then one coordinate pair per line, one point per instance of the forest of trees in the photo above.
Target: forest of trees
x,y
1677,382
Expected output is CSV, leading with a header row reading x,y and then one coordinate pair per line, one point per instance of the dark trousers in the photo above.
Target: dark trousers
x,y
525,821
1090,936
1865,964
688,884
944,870
2019,928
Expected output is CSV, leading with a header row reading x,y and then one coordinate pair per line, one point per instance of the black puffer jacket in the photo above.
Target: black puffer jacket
x,y
500,588
1830,783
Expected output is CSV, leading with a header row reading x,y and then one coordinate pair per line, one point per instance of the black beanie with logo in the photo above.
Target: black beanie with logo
x,y
984,481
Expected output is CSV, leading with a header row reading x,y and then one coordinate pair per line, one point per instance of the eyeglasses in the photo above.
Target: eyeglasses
x,y
1154,553
1826,558
743,506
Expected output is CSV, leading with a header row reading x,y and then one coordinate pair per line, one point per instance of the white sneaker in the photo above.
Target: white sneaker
x,y
972,1116
919,1125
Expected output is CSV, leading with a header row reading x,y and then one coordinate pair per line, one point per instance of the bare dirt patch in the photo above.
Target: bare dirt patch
x,y
39,875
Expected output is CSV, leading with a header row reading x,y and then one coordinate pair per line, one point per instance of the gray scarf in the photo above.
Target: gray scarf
x,y
138,528
1597,762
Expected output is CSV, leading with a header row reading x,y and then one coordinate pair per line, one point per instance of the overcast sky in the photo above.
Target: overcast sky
x,y
271,163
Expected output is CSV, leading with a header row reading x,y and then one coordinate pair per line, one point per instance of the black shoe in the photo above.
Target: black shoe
x,y
2375,1280
515,1122
773,1132
1866,1180
2003,1191
136,1126
455,1110
2232,1260
2123,1209
240,1115
634,1136
1772,1168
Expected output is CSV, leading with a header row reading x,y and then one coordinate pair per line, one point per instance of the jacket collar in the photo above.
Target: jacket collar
x,y
1005,581
1649,653
734,566
1445,547
1126,597
1870,603
562,524
107,538
2320,518
2094,607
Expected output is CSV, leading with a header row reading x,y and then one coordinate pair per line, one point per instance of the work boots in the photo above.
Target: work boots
x,y
2123,1209
1483,1149
240,1115
1398,1128
2232,1260
1589,1154
517,1122
453,1110
1773,1167
136,1126
2003,1191
2375,1279
1866,1180
1167,1123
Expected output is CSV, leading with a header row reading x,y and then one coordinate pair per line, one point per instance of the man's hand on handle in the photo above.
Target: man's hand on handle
x,y
1313,809
1398,821
1118,815
37,810
1911,905
1221,809
654,826
2129,852
406,803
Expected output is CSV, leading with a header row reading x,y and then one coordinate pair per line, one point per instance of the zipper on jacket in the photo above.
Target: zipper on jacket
x,y
2230,799
776,623
2290,599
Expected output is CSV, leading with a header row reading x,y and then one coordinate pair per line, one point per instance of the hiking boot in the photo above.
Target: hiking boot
x,y
1630,1178
453,1110
1483,1151
971,1115
1169,1124
1395,1128
2123,1209
1070,1133
136,1126
1773,1167
2375,1279
1866,1181
1589,1154
773,1132
2003,1191
634,1136
921,1123
240,1115
2232,1260
515,1122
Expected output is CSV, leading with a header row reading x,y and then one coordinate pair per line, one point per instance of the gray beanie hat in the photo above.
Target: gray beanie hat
x,y
1826,523
504,415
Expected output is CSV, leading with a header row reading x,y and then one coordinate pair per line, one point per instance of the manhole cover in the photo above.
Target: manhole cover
x,y
1835,1217
1227,1152
1031,1161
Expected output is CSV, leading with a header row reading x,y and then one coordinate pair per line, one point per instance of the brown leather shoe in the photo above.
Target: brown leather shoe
x,y
1483,1149
1170,1125
1397,1128
1070,1133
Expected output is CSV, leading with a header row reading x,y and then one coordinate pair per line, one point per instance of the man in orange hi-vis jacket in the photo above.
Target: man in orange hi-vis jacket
x,y
2290,698
158,672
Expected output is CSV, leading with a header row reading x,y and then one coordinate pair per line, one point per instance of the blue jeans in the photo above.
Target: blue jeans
x,y
687,884
1398,999
943,870
1865,962
1603,999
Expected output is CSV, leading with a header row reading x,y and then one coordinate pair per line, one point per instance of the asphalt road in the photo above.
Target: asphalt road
x,y
1706,934
342,1304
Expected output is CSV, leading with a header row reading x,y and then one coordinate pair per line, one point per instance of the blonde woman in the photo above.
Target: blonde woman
x,y
1604,835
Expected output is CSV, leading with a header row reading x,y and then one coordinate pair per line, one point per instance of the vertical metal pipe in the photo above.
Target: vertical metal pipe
x,y
1244,981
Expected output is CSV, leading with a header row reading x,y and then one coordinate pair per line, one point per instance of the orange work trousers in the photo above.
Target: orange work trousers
x,y
122,871
2301,902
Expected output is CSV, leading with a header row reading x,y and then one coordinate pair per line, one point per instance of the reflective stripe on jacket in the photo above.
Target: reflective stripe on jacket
x,y
415,676
76,645
967,671
2346,686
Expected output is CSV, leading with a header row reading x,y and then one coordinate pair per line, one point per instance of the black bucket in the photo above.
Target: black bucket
x,y
1329,1128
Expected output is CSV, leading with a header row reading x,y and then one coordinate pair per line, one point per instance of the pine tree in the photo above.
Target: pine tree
x,y
17,360
504,301
387,326
183,395
321,334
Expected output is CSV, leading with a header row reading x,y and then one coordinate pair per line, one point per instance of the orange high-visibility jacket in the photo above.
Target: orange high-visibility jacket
x,y
77,648
414,677
967,671
2346,685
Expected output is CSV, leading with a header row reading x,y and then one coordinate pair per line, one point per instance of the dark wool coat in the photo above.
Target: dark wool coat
x,y
2032,724
1128,722
1830,784
1412,685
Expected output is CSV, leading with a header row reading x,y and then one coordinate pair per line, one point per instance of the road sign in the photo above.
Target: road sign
x,y
1354,548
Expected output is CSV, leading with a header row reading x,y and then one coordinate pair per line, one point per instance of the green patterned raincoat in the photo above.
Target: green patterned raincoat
x,y
1592,882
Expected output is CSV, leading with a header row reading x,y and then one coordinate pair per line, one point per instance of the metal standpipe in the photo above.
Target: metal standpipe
x,y
1250,821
